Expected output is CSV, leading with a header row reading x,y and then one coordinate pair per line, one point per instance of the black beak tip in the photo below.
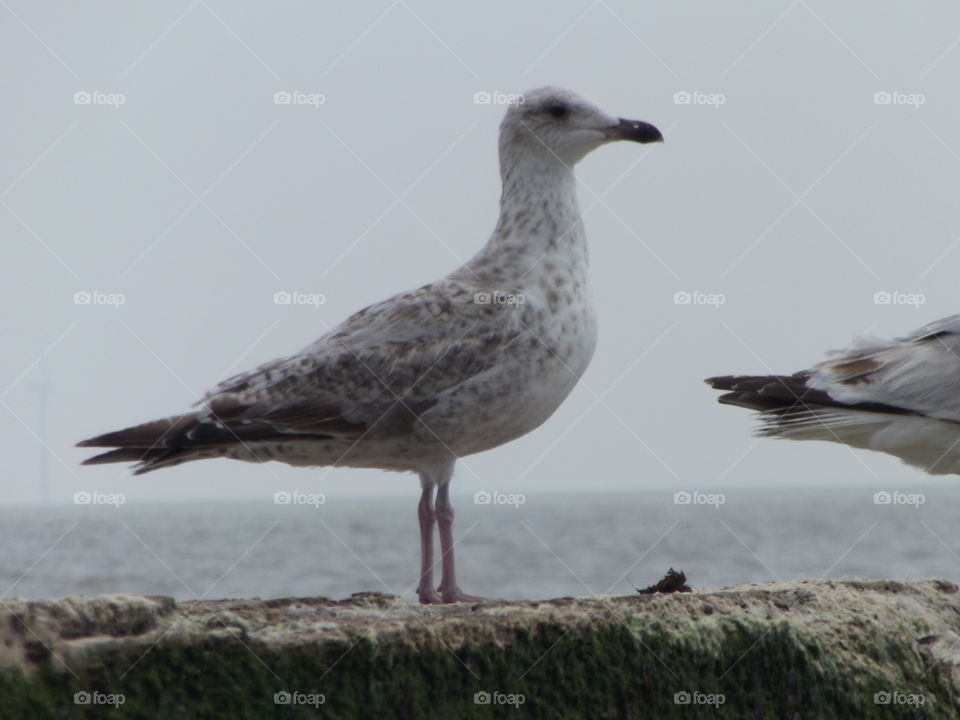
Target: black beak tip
x,y
639,131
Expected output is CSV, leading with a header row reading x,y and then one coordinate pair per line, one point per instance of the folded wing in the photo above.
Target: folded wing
x,y
375,373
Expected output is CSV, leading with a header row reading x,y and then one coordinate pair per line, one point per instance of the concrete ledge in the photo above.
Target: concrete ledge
x,y
804,649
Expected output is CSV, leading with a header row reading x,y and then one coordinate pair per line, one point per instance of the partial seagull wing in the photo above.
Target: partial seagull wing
x,y
900,397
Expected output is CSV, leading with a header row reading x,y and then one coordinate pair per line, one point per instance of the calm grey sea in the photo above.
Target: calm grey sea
x,y
548,546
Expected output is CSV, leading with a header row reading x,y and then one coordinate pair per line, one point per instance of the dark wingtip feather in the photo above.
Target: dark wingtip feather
x,y
151,434
120,455
94,442
146,460
749,400
175,440
784,394
721,382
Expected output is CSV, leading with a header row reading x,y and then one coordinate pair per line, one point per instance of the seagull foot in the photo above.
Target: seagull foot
x,y
429,596
457,595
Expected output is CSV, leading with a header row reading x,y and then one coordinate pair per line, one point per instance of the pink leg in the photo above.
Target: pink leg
x,y
449,590
428,518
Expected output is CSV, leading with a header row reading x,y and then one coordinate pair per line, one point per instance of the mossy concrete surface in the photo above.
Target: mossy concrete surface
x,y
802,649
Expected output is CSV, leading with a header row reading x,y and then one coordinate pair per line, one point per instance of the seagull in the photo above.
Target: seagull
x,y
900,397
471,361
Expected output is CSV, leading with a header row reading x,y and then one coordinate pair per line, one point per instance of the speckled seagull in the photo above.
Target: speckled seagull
x,y
464,364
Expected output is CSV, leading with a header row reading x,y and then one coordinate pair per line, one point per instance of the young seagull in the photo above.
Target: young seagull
x,y
464,364
900,397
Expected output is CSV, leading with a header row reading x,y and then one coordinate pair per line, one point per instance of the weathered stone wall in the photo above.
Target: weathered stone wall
x,y
804,649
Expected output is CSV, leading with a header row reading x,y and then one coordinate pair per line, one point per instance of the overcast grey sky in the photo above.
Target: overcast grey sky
x,y
811,161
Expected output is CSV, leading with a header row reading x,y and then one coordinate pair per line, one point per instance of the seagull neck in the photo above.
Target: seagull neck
x,y
538,183
539,217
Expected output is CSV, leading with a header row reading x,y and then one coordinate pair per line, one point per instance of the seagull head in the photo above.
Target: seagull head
x,y
558,123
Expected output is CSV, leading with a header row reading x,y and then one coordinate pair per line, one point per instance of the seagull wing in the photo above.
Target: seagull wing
x,y
398,356
901,397
377,371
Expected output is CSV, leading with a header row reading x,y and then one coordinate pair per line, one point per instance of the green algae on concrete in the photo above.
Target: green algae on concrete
x,y
804,649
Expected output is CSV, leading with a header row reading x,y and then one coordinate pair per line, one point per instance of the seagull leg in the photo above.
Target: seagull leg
x,y
428,518
449,590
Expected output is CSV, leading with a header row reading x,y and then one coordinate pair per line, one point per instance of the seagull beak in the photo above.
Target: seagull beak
x,y
634,130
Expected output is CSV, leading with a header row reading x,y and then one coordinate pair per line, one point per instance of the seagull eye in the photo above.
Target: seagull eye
x,y
559,111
